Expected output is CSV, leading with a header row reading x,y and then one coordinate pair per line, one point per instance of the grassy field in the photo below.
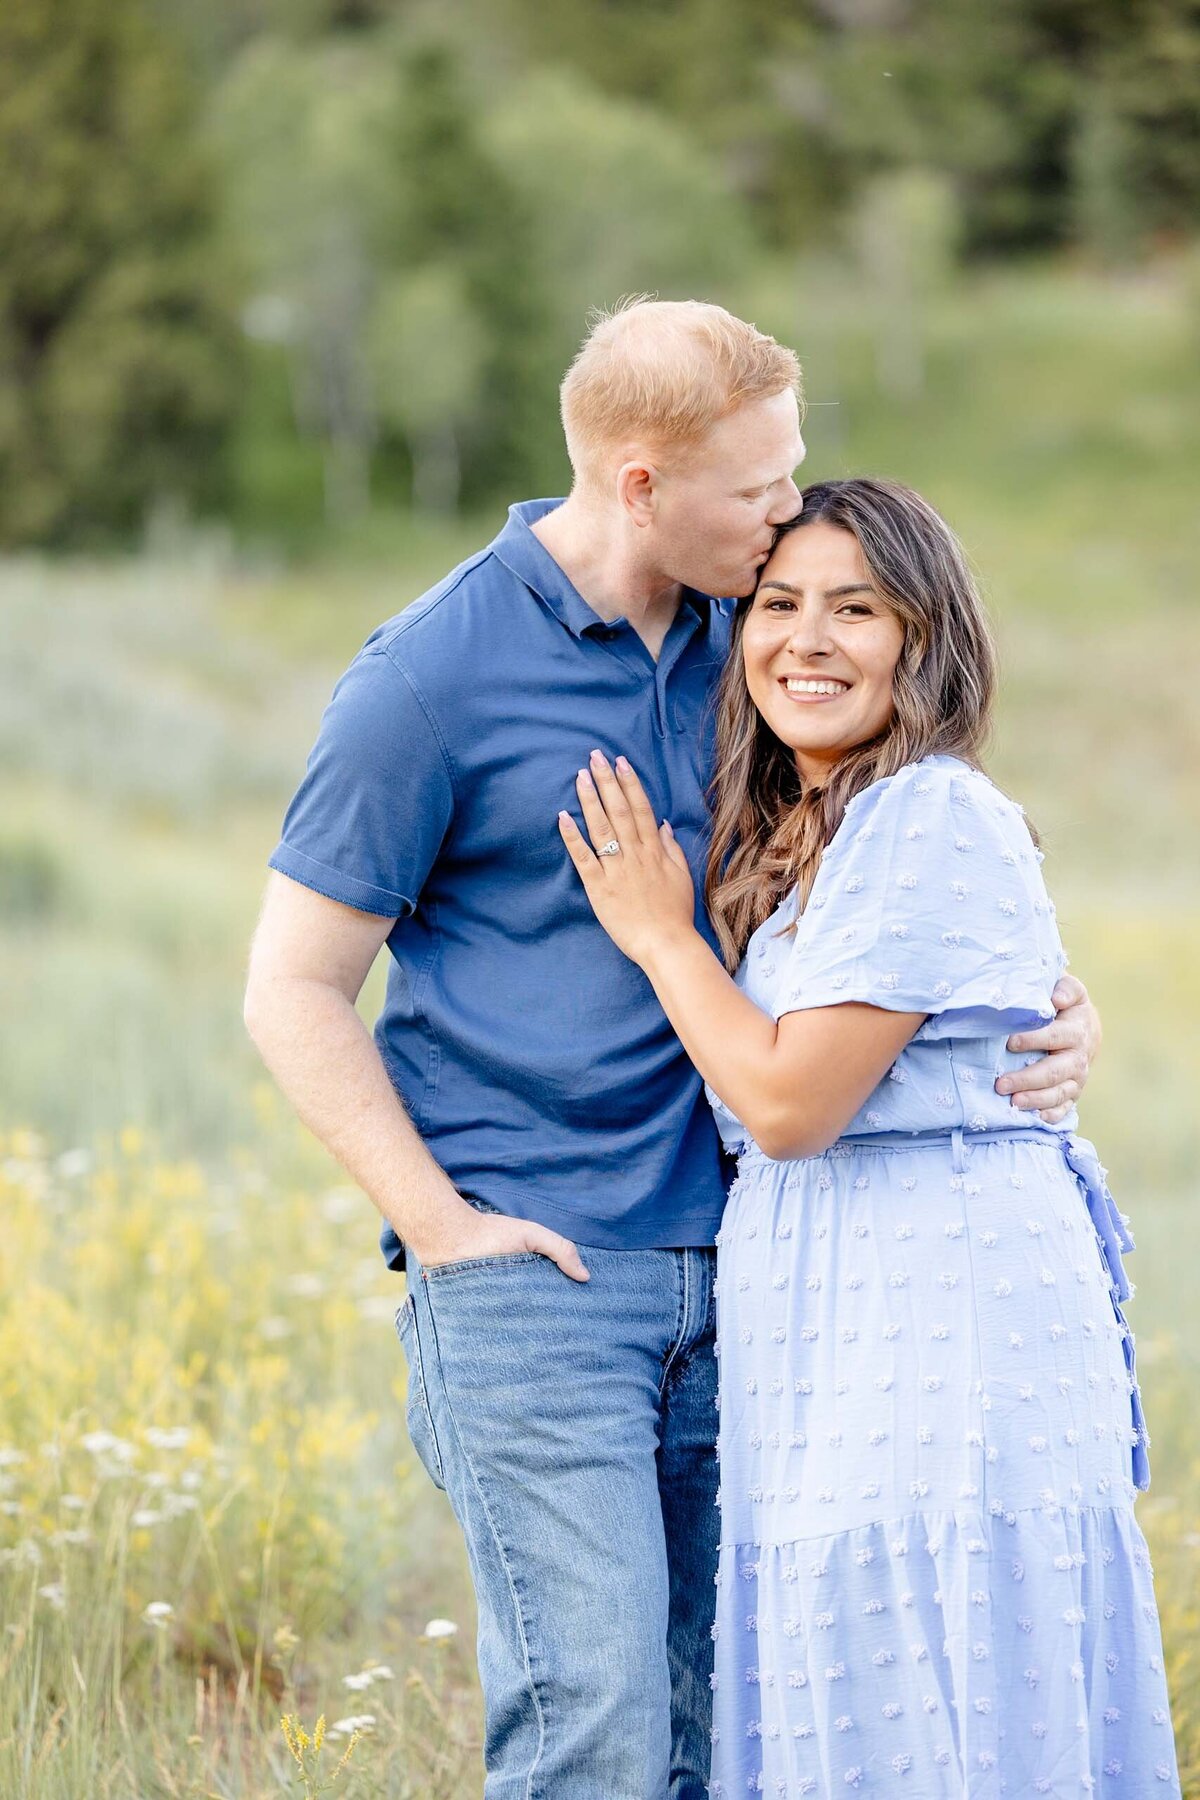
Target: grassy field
x,y
200,1389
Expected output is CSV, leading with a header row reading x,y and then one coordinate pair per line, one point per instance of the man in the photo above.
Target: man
x,y
525,1120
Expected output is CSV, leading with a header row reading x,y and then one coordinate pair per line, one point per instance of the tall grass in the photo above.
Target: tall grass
x,y
209,1515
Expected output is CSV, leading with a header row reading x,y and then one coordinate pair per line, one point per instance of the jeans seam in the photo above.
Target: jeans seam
x,y
469,1465
422,1387
680,1328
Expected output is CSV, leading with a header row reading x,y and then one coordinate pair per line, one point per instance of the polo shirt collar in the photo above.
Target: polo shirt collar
x,y
529,560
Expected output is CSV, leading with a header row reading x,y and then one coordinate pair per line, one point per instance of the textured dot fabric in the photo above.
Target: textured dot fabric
x,y
931,1578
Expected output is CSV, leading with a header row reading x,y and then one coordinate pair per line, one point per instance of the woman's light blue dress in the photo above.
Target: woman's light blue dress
x,y
931,1579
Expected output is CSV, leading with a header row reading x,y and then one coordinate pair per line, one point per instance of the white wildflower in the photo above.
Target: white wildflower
x,y
354,1722
173,1437
342,1204
103,1443
306,1284
440,1628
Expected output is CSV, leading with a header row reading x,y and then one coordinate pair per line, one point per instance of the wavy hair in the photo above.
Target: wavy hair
x,y
769,828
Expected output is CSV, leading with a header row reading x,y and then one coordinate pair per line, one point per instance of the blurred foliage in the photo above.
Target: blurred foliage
x,y
288,262
117,356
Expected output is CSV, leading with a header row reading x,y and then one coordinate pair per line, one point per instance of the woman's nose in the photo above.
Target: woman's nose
x,y
809,635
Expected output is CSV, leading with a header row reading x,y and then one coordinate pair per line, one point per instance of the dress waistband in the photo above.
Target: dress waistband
x,y
1109,1224
957,1137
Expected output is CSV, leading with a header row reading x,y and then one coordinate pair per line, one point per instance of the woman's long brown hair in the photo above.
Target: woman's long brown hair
x,y
769,829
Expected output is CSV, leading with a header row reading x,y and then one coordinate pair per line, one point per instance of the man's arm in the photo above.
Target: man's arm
x,y
1068,1046
308,962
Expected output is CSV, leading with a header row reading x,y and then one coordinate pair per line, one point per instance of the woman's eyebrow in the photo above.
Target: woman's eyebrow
x,y
836,593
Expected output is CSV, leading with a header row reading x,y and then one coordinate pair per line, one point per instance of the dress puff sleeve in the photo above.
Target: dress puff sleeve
x,y
930,899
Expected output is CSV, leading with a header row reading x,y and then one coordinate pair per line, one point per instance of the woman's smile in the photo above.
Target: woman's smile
x,y
799,688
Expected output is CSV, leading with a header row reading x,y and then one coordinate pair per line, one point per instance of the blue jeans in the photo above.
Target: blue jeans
x,y
573,1427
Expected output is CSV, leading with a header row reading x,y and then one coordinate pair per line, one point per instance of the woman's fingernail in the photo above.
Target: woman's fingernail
x,y
623,765
599,756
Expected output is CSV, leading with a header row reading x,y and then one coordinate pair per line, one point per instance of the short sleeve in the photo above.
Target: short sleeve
x,y
930,899
377,798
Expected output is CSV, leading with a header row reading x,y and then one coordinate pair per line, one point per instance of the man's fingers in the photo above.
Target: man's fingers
x,y
1065,1065
1064,1094
560,1250
1068,991
1060,1034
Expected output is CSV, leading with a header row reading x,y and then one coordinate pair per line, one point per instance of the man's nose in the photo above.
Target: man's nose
x,y
789,506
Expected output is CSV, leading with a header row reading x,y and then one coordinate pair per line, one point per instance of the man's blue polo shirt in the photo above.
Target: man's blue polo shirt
x,y
531,1055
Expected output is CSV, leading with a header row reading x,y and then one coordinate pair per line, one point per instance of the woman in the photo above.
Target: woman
x,y
931,1578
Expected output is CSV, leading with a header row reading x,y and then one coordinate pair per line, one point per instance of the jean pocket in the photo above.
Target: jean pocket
x,y
464,1265
417,1414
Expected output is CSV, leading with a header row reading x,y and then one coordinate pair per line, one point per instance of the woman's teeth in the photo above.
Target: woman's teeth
x,y
815,687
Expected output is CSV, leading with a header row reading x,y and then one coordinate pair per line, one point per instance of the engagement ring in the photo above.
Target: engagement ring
x,y
612,848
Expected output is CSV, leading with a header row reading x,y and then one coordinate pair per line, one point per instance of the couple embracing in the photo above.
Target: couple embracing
x,y
770,1039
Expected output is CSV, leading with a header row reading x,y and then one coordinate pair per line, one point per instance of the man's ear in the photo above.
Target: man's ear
x,y
637,481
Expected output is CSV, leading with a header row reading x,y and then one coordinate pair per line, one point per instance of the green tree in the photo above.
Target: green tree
x,y
621,200
429,349
302,133
1022,105
118,357
459,210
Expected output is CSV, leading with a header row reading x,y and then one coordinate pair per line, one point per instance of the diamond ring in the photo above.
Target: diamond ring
x,y
612,848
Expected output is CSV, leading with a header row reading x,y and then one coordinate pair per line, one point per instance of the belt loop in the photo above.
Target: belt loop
x,y
960,1154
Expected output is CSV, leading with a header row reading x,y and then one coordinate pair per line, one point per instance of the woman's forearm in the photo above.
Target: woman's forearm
x,y
796,1084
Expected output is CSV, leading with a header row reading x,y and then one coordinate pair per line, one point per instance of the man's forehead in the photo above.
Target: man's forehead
x,y
762,435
